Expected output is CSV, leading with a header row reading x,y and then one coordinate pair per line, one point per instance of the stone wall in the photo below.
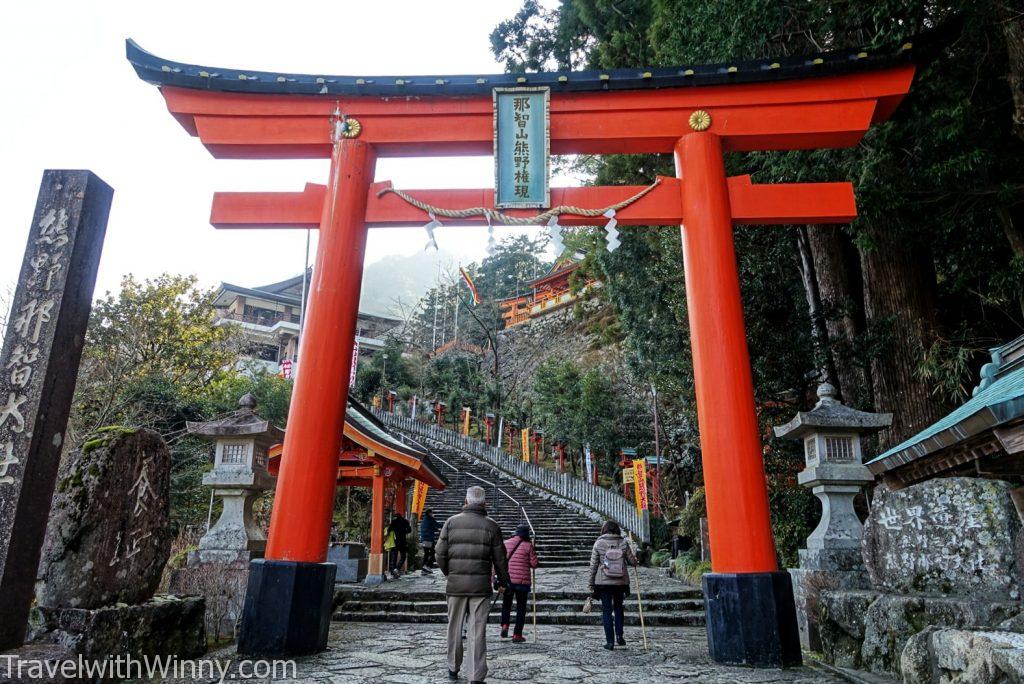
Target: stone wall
x,y
945,553
562,335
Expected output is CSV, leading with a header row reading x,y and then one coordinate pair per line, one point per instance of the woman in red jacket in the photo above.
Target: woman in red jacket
x,y
521,559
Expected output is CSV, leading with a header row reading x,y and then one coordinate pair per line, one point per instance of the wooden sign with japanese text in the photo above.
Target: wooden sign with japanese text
x,y
640,484
38,370
419,498
521,148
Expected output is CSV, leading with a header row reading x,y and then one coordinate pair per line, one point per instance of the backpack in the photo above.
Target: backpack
x,y
614,563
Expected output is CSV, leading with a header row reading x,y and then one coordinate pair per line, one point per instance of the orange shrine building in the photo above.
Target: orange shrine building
x,y
550,292
373,457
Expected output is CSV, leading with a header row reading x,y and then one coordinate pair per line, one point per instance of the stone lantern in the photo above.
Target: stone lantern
x,y
835,472
238,477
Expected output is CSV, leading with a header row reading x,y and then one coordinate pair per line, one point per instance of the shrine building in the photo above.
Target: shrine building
x,y
268,319
550,292
374,457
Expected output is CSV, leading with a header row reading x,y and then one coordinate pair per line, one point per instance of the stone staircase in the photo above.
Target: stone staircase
x,y
564,538
662,607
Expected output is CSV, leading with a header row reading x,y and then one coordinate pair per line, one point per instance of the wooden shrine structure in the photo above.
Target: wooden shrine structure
x,y
697,113
547,293
371,456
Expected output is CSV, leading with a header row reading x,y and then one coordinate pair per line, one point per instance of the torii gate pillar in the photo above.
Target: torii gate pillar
x,y
290,592
751,616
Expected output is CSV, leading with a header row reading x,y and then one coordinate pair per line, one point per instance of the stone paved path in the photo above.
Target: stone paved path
x,y
548,579
415,654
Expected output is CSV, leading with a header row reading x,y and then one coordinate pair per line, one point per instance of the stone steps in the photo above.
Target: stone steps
x,y
564,540
564,537
440,607
651,619
343,596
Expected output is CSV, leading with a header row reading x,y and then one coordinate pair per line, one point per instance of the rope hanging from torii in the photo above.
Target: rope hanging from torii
x,y
499,217
550,217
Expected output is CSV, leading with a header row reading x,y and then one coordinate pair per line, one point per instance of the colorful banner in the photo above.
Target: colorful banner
x,y
355,366
524,439
640,484
465,421
471,284
588,463
419,498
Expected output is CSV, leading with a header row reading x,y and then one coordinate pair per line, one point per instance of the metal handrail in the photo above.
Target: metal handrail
x,y
493,485
572,490
533,532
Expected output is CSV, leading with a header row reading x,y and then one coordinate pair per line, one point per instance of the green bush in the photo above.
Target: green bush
x,y
659,558
689,521
690,568
661,537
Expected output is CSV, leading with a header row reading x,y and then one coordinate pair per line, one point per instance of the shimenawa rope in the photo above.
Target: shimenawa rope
x,y
496,216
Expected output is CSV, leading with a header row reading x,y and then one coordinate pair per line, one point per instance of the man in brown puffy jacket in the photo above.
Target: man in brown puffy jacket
x,y
469,549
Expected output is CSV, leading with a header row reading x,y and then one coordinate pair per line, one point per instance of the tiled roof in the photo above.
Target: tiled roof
x,y
998,402
160,71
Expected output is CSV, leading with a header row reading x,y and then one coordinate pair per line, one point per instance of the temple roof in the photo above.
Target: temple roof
x,y
160,71
562,266
998,400
363,428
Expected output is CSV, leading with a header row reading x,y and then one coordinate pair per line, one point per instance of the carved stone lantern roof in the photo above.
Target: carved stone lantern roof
x,y
830,414
243,423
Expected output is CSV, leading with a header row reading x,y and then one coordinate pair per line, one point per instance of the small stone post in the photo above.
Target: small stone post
x,y
40,358
835,472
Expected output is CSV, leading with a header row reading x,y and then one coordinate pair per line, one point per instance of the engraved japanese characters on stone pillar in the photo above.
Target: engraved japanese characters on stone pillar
x,y
38,370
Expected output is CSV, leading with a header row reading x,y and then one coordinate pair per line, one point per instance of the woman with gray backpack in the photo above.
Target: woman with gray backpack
x,y
609,579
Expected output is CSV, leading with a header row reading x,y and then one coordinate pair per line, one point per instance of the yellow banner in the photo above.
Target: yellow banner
x,y
524,438
465,421
640,484
419,497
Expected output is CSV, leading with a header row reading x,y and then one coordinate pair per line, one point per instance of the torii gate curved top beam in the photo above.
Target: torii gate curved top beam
x,y
827,100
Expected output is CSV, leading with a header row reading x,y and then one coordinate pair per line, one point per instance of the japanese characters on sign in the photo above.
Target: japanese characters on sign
x,y
521,148
640,484
419,498
30,320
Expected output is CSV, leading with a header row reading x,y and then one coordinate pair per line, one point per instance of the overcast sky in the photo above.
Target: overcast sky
x,y
71,100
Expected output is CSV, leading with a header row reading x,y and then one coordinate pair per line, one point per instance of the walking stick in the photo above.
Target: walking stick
x,y
640,605
533,585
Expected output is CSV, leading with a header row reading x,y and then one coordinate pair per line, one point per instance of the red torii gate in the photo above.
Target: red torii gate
x,y
696,113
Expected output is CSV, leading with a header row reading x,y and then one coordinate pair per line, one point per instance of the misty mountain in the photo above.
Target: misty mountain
x,y
401,278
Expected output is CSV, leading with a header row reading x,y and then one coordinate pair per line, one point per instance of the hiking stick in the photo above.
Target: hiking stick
x,y
533,585
640,605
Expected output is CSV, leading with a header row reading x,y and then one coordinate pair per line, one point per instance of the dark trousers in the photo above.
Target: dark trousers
x,y
521,593
396,558
428,556
611,600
